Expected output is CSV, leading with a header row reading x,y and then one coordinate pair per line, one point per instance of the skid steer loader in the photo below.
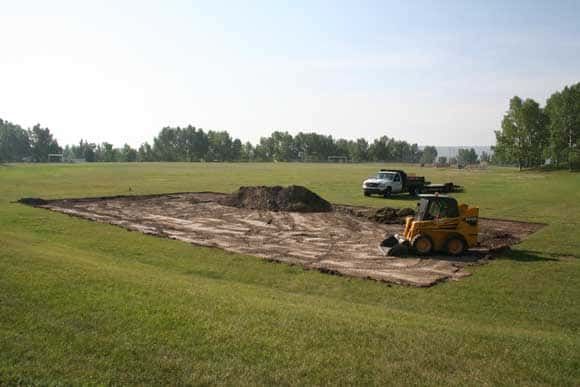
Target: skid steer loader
x,y
440,225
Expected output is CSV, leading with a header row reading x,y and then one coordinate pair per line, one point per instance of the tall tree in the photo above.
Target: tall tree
x,y
145,153
42,143
523,138
107,153
282,144
90,154
128,154
535,124
247,152
166,145
381,149
563,109
14,142
220,146
237,150
359,150
429,155
467,156
194,143
485,157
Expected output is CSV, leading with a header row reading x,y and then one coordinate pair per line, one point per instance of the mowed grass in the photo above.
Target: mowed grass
x,y
88,303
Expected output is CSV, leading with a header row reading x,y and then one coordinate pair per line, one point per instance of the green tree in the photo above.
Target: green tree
x,y
42,143
247,152
523,138
14,142
128,154
415,154
265,149
145,153
563,110
467,156
342,147
236,150
485,157
166,144
90,154
194,143
107,153
314,146
429,155
380,149
220,146
76,151
359,150
282,146
535,123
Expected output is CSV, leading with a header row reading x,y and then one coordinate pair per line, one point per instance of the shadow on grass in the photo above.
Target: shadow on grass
x,y
512,255
526,256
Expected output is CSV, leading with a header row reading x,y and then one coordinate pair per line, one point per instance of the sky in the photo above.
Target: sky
x,y
428,72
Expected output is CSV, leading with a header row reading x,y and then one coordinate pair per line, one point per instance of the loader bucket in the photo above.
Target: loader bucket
x,y
390,241
393,246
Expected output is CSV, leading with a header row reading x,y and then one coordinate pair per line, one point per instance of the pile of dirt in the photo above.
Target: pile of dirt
x,y
293,198
389,215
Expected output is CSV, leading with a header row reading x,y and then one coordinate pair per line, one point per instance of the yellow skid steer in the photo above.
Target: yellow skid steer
x,y
440,225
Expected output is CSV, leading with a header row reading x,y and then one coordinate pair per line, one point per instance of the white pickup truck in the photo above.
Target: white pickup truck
x,y
392,181
387,182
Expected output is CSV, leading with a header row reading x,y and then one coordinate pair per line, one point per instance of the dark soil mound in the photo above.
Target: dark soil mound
x,y
496,240
33,201
389,215
294,198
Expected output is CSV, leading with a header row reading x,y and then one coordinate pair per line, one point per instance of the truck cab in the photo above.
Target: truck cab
x,y
384,183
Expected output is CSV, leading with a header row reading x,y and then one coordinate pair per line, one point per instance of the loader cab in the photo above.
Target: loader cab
x,y
432,207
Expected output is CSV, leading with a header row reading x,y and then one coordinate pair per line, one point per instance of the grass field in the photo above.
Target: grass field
x,y
89,303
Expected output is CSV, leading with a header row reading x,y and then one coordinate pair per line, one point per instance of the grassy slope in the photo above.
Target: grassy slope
x,y
92,303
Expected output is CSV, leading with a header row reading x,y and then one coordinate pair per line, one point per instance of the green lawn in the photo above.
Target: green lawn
x,y
89,303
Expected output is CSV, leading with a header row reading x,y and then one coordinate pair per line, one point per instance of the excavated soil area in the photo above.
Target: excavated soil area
x,y
342,241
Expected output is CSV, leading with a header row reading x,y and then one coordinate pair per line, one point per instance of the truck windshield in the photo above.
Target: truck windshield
x,y
385,176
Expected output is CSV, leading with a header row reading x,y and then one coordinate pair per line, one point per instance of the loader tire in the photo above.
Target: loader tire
x,y
455,246
422,244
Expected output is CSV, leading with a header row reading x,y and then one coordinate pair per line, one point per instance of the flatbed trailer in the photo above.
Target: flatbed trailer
x,y
442,188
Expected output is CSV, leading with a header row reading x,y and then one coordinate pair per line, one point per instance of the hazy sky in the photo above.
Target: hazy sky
x,y
430,72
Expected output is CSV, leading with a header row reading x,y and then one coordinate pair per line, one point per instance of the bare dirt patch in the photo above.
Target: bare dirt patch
x,y
343,241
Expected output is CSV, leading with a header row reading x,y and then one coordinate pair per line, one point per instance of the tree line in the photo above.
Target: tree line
x,y
17,144
190,144
531,134
195,144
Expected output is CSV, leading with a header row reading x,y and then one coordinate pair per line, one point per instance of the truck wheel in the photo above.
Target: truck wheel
x,y
412,192
455,246
422,244
387,192
367,193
